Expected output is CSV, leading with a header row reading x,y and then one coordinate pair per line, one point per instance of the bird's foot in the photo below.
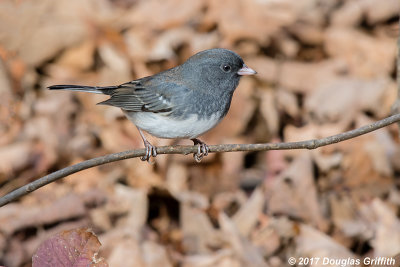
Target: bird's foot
x,y
150,151
202,150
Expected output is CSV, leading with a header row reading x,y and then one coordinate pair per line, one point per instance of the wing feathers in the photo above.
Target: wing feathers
x,y
132,96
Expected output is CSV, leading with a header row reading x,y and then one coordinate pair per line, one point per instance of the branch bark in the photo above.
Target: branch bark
x,y
185,150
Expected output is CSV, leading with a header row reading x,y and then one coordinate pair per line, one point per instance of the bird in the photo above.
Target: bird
x,y
182,102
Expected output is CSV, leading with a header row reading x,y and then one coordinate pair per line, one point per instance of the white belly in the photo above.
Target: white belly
x,y
164,127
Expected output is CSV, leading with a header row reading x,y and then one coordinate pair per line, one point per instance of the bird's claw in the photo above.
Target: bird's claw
x,y
150,152
202,150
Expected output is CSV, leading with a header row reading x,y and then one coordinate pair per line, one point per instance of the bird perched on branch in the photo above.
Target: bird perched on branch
x,y
182,102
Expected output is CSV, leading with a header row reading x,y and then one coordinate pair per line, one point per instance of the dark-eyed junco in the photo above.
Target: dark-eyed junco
x,y
182,102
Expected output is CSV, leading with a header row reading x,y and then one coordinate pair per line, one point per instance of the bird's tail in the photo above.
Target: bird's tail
x,y
83,88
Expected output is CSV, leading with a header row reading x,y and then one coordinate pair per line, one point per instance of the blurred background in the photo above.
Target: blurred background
x,y
324,67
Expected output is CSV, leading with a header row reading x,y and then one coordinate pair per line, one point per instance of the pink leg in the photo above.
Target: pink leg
x,y
150,149
202,150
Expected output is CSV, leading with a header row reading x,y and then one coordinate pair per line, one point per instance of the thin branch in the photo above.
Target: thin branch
x,y
310,144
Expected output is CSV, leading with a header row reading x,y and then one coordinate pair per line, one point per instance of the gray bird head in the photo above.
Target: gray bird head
x,y
216,69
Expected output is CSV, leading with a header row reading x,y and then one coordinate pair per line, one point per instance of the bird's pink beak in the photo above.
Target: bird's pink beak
x,y
246,71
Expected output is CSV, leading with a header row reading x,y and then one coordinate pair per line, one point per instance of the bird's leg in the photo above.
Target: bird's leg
x,y
150,149
202,149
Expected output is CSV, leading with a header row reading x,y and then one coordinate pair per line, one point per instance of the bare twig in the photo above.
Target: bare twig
x,y
310,144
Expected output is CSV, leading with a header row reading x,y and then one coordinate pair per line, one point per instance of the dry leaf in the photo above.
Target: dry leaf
x,y
348,15
386,240
313,243
247,216
77,247
292,74
364,55
155,255
378,12
241,246
67,207
36,33
294,193
198,232
126,253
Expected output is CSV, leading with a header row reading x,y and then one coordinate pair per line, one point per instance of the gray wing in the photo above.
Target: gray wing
x,y
144,95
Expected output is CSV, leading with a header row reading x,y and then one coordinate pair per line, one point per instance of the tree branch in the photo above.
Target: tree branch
x,y
309,144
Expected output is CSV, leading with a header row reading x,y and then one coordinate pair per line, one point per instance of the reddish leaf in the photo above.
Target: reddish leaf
x,y
75,248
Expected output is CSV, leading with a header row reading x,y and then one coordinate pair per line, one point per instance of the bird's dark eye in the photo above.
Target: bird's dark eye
x,y
226,68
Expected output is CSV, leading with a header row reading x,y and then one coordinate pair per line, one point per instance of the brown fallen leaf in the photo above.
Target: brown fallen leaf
x,y
348,15
32,244
176,179
198,232
313,243
292,74
310,34
15,157
343,98
287,102
378,11
345,216
165,14
117,68
334,101
133,203
247,216
360,172
166,44
79,57
242,247
249,19
327,161
16,258
266,237
155,255
74,248
126,252
294,193
221,258
36,33
67,207
386,238
269,111
365,55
